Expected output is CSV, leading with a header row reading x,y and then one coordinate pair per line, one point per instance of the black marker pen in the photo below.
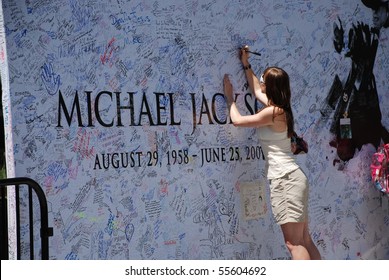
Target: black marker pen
x,y
256,53
246,49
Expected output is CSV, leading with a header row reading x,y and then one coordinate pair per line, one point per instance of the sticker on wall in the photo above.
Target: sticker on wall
x,y
345,128
253,200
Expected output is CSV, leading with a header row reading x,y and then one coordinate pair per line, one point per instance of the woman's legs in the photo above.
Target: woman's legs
x,y
294,234
298,235
289,200
310,245
298,252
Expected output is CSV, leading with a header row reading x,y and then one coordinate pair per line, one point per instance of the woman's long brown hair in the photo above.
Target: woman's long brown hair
x,y
278,93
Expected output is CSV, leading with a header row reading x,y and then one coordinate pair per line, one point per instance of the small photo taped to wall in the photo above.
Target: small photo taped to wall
x,y
345,128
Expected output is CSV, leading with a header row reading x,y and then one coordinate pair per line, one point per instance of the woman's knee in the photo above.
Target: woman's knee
x,y
294,233
307,236
298,252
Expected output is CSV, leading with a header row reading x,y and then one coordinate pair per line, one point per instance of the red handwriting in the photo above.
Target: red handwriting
x,y
108,53
82,145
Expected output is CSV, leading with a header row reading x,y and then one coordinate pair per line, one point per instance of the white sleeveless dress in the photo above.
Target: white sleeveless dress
x,y
288,184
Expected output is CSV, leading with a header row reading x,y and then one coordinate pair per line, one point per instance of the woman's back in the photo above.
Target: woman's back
x,y
277,151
